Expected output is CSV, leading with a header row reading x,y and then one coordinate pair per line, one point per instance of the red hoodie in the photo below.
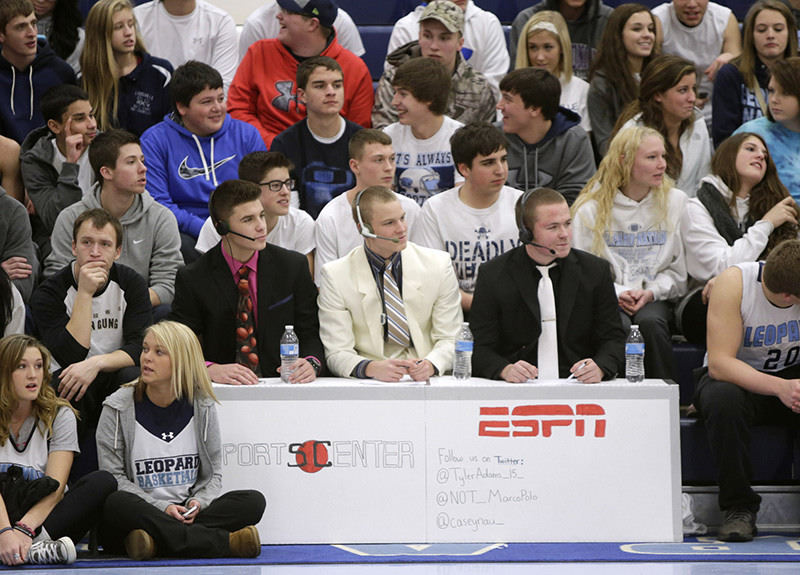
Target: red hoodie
x,y
264,94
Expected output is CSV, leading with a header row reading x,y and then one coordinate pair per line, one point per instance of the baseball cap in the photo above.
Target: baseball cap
x,y
450,15
324,10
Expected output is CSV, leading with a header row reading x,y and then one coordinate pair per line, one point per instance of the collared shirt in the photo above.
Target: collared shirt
x,y
235,266
377,265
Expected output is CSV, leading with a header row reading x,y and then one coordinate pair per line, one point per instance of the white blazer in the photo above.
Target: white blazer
x,y
350,309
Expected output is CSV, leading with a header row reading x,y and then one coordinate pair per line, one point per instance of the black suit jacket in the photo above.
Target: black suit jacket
x,y
206,298
505,319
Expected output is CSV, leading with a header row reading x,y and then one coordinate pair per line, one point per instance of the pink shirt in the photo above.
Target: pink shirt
x,y
235,266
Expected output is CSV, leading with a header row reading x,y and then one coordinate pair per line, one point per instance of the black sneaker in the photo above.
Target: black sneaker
x,y
739,525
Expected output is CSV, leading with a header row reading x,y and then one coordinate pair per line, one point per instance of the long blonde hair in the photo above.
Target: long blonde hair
x,y
46,404
98,65
613,174
189,373
558,27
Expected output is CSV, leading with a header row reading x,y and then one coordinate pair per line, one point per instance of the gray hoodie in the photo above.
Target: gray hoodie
x,y
151,243
562,160
115,435
50,191
15,240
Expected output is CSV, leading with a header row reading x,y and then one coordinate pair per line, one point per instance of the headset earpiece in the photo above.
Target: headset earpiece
x,y
525,234
365,230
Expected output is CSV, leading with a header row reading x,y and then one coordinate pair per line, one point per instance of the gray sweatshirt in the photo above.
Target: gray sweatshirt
x,y
15,240
562,160
151,243
115,435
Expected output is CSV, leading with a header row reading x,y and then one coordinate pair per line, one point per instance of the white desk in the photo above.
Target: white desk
x,y
342,461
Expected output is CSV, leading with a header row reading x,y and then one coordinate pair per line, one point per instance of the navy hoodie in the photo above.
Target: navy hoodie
x,y
21,90
144,94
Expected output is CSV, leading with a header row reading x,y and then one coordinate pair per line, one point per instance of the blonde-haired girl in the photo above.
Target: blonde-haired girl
x,y
629,214
167,420
128,88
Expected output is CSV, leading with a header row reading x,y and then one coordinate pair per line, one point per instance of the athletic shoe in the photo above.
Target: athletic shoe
x,y
139,545
245,542
49,552
739,525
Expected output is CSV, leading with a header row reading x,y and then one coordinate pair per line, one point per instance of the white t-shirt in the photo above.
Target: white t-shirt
x,y
573,97
263,24
424,167
31,448
471,236
207,34
336,233
484,41
294,231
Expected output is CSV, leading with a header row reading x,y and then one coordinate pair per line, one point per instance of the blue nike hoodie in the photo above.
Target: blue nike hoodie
x,y
183,168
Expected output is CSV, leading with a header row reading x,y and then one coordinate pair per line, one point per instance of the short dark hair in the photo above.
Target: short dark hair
x,y
478,138
105,147
363,138
10,9
255,165
230,194
190,79
307,67
782,269
427,80
99,218
366,199
537,88
529,202
56,100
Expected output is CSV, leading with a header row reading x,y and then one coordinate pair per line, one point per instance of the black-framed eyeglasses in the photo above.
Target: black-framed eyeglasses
x,y
277,185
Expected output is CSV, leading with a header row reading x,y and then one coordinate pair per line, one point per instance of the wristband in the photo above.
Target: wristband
x,y
4,529
22,528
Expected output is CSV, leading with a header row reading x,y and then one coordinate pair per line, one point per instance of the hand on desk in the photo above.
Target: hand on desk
x,y
389,369
519,372
421,370
303,372
587,371
232,374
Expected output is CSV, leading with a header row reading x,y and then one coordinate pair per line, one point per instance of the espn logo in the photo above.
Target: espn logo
x,y
528,420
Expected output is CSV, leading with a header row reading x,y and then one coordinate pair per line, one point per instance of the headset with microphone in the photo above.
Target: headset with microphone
x,y
220,225
526,235
364,229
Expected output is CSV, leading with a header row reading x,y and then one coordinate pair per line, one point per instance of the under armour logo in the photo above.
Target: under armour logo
x,y
166,436
285,97
187,173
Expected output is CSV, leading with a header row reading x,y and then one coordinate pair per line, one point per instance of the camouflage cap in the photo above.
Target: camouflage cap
x,y
444,11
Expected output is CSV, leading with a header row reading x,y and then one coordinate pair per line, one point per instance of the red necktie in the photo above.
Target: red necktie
x,y
246,345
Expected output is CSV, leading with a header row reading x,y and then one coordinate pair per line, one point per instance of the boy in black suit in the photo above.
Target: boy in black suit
x,y
279,284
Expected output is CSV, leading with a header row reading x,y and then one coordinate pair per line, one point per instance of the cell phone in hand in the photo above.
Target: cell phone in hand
x,y
189,511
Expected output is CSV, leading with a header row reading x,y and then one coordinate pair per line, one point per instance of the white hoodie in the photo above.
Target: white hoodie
x,y
707,252
643,255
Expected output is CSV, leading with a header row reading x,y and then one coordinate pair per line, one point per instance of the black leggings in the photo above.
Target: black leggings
x,y
82,506
206,537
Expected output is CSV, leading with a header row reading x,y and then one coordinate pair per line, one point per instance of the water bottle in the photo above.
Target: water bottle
x,y
634,355
290,351
462,364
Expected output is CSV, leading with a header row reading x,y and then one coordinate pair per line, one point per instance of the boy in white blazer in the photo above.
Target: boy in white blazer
x,y
352,307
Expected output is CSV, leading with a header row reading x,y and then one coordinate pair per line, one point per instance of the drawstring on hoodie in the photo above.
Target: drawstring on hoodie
x,y
14,85
203,158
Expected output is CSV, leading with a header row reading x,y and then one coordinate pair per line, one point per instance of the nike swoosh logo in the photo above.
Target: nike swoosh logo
x,y
187,173
137,242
